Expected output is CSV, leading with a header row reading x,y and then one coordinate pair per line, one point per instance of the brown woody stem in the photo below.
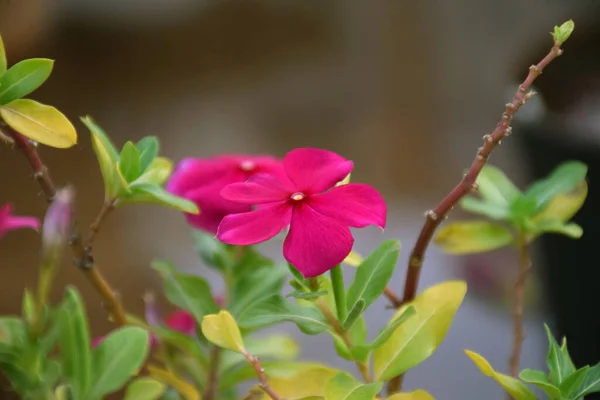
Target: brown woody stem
x,y
434,217
83,255
262,377
519,304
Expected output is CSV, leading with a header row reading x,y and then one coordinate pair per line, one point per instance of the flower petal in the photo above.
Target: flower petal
x,y
213,208
355,204
191,173
316,243
183,322
255,226
261,188
315,170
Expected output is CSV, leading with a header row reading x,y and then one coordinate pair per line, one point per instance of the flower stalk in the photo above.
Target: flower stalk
x,y
339,293
519,304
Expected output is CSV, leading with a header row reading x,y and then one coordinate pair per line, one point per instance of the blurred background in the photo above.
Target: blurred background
x,y
404,88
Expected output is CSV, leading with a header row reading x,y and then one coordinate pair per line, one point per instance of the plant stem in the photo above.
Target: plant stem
x,y
339,292
433,218
395,384
394,300
519,303
333,322
83,256
107,207
262,377
213,374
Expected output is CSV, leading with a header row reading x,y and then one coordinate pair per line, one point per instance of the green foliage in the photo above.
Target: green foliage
x,y
23,78
344,387
562,33
134,175
545,207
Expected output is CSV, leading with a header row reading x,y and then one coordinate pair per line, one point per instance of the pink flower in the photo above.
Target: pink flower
x,y
9,222
183,322
305,198
201,181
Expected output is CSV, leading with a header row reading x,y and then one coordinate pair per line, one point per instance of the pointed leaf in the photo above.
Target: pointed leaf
x,y
373,275
562,33
468,237
389,329
539,379
416,395
514,387
417,338
571,230
157,173
306,295
591,383
2,57
345,387
564,206
188,391
559,365
353,314
495,187
276,310
117,358
488,209
189,292
564,179
129,162
148,149
222,330
39,122
572,383
145,389
154,194
76,364
256,287
23,78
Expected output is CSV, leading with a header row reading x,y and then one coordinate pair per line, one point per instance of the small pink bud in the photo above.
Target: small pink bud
x,y
58,219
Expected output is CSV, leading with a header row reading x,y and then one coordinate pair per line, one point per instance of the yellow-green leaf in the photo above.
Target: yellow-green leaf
x,y
158,172
2,57
222,330
564,206
309,383
419,336
108,159
39,122
517,389
467,237
144,388
23,78
353,259
416,395
344,387
185,389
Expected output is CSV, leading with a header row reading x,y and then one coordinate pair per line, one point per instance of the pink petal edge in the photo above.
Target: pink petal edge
x,y
255,226
315,170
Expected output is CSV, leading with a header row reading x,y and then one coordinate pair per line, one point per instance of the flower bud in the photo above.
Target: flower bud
x,y
58,220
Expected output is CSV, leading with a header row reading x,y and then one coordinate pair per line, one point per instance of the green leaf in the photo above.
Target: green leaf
x,y
148,149
12,331
154,194
559,364
256,287
572,383
306,295
2,57
491,210
212,251
539,379
306,384
353,314
466,237
389,329
76,363
39,122
23,78
562,33
222,330
145,389
108,159
345,387
591,383
358,335
514,387
373,275
495,187
185,389
117,358
416,395
189,292
295,273
564,179
28,306
157,173
273,347
129,162
571,230
276,310
419,336
564,206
